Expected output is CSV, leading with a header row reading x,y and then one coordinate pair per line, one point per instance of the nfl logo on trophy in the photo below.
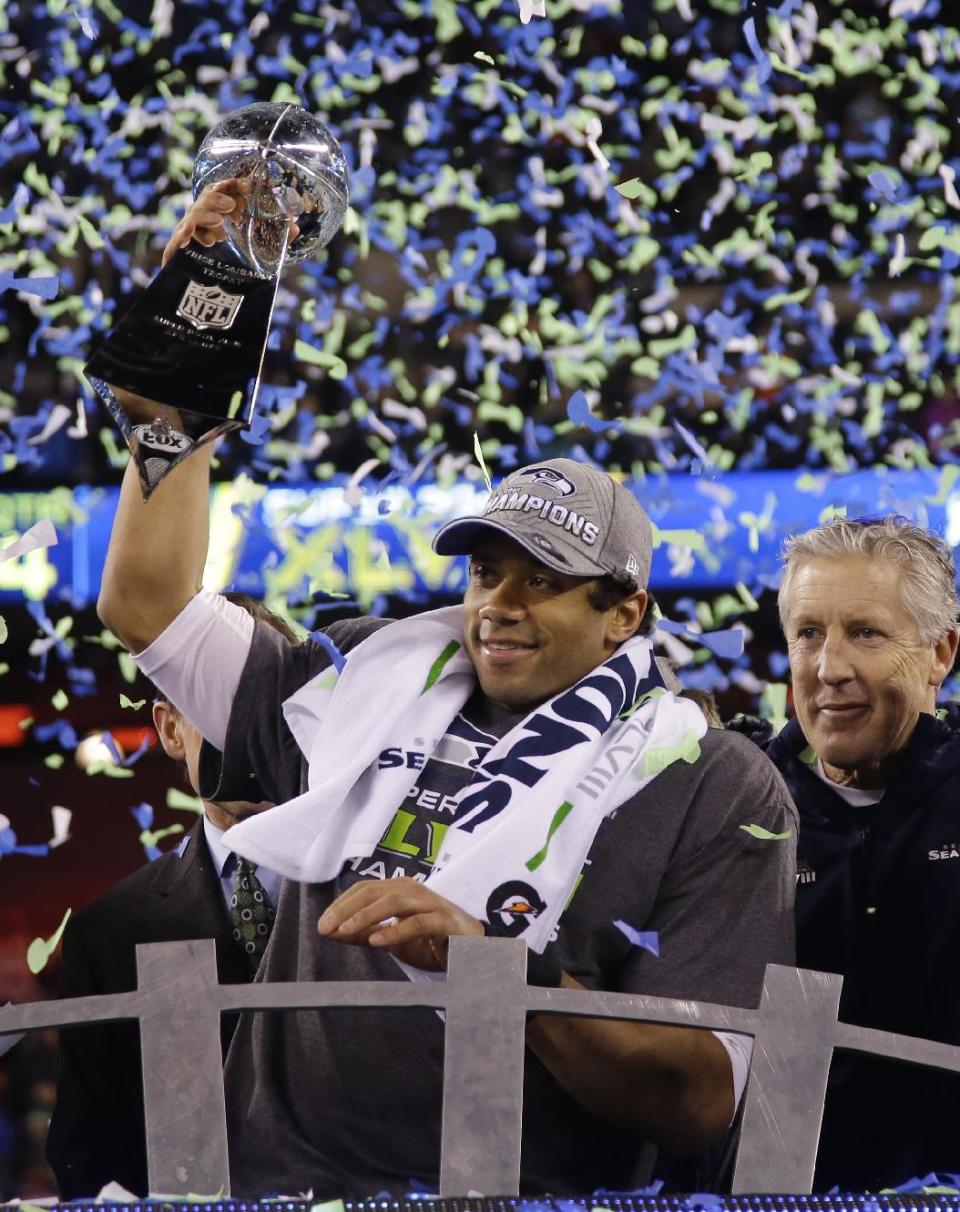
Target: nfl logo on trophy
x,y
208,306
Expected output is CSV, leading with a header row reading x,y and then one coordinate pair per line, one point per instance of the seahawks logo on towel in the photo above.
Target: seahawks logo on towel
x,y
513,906
546,477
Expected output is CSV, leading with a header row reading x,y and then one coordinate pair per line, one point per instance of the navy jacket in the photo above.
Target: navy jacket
x,y
878,901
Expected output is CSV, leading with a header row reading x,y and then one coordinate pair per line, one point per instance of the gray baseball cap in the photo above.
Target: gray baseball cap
x,y
571,516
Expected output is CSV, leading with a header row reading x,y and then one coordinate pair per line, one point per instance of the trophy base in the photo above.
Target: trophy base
x,y
158,445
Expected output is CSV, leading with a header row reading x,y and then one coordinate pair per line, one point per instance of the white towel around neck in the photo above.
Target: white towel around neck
x,y
401,688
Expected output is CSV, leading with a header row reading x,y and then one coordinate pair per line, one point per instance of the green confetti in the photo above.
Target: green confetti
x,y
558,818
328,679
40,950
110,769
128,667
652,761
59,700
3,630
637,189
681,538
182,802
134,706
90,234
948,477
764,835
773,704
53,760
439,664
150,837
335,366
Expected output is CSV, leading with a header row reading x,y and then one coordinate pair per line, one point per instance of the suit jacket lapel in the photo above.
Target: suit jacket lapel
x,y
193,900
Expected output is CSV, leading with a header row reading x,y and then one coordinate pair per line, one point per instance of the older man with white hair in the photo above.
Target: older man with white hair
x,y
869,609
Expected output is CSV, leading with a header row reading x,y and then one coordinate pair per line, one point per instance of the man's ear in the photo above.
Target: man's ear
x,y
944,653
166,720
625,617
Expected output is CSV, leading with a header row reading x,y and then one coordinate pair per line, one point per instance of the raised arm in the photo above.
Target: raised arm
x,y
157,550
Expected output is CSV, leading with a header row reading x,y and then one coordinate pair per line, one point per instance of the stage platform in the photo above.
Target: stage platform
x,y
914,1201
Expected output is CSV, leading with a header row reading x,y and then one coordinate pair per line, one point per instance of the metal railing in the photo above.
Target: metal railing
x,y
485,1000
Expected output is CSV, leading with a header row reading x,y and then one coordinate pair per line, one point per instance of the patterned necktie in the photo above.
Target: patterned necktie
x,y
250,912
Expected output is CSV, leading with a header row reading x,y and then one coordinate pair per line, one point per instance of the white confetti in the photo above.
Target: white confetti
x,y
401,412
532,8
949,189
594,132
353,493
42,534
899,259
743,128
161,18
59,416
61,825
80,429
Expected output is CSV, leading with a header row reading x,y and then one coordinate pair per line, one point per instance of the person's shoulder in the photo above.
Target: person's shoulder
x,y
732,778
296,662
348,633
120,904
720,748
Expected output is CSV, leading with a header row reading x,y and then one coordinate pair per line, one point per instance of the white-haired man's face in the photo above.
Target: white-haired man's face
x,y
862,674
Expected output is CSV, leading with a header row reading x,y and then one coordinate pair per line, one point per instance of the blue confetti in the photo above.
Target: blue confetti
x,y
649,940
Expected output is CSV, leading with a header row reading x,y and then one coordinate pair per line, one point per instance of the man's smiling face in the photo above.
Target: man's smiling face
x,y
532,632
862,672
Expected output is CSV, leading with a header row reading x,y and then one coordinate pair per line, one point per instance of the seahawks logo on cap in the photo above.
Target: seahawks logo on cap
x,y
546,477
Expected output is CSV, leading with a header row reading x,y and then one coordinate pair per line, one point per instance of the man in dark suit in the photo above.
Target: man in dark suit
x,y
97,1131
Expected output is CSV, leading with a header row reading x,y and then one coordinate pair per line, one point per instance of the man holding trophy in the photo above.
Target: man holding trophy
x,y
418,778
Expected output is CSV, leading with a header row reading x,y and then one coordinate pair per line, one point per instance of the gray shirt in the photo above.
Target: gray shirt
x,y
347,1102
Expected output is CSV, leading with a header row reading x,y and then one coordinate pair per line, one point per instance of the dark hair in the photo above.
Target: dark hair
x,y
608,591
259,611
707,704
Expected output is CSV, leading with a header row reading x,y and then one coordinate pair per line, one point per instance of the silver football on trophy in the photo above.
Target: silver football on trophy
x,y
299,173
